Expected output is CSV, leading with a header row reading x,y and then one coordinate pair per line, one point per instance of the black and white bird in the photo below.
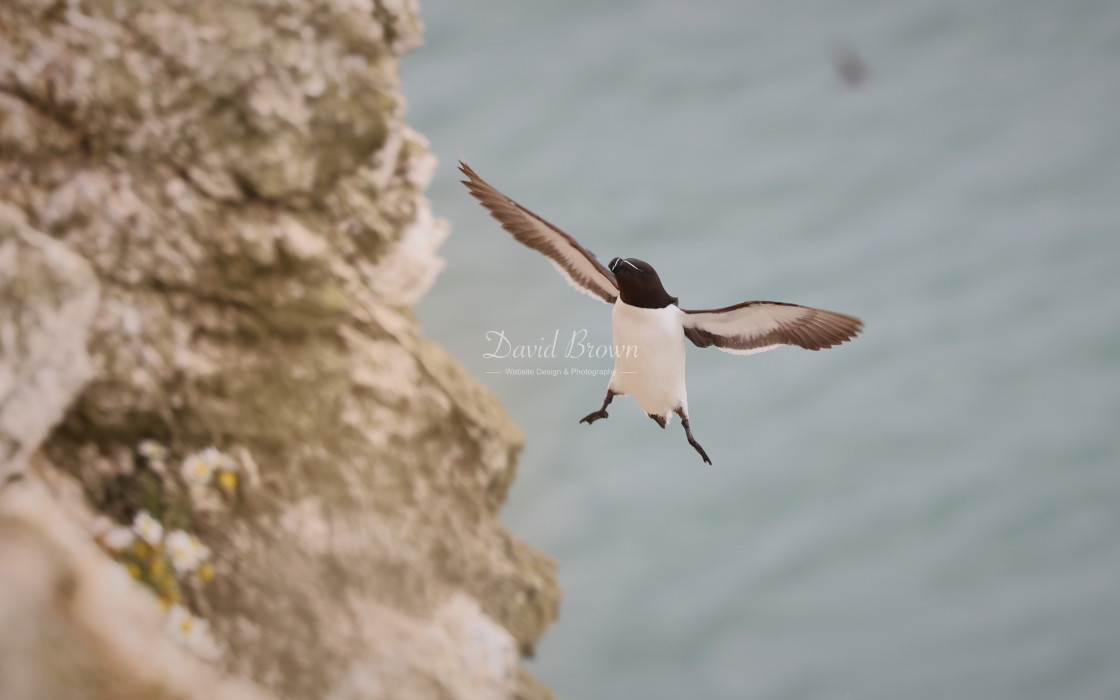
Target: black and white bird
x,y
648,320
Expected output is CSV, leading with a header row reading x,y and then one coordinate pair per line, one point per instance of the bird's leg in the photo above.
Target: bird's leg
x,y
692,440
602,412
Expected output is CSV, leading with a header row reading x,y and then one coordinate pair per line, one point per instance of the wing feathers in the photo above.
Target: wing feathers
x,y
750,327
578,265
757,326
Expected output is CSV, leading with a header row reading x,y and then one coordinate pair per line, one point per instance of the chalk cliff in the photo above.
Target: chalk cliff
x,y
212,227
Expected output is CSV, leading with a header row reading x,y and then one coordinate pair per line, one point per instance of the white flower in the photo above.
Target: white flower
x,y
111,536
186,551
197,469
152,450
190,631
117,538
180,623
219,459
147,527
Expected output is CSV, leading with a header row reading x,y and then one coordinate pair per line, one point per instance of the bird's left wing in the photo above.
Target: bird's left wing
x,y
758,326
578,265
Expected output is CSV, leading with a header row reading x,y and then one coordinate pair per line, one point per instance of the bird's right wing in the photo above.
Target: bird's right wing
x,y
578,265
758,326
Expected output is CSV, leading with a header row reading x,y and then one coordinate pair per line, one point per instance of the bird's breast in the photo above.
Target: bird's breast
x,y
649,356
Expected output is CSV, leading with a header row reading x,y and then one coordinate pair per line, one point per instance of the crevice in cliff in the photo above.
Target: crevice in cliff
x,y
58,116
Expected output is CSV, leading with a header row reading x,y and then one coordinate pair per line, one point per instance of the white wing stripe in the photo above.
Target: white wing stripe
x,y
572,281
579,267
763,325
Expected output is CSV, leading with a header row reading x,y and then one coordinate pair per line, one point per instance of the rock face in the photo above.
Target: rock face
x,y
214,212
48,297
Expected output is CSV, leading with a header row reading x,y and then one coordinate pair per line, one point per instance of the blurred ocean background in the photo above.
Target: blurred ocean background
x,y
932,511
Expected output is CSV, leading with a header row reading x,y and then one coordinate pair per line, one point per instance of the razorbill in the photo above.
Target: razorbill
x,y
648,321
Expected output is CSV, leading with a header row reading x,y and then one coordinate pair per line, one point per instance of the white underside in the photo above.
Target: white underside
x,y
649,364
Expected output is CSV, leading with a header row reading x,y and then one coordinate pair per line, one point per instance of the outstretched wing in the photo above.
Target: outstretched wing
x,y
758,326
579,266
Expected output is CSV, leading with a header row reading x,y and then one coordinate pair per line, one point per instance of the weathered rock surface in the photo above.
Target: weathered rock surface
x,y
48,296
238,177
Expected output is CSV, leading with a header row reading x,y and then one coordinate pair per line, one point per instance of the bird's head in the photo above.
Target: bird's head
x,y
638,284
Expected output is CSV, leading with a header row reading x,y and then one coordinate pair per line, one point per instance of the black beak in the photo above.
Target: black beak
x,y
613,265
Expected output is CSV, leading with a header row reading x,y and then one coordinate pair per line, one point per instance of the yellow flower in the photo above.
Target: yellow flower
x,y
142,549
206,572
133,570
227,481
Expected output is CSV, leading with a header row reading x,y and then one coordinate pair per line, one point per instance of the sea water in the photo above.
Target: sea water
x,y
931,511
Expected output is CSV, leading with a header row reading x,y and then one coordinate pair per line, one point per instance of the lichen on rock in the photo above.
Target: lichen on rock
x,y
225,209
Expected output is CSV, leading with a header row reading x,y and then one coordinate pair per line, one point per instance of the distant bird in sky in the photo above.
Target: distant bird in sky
x,y
649,326
850,66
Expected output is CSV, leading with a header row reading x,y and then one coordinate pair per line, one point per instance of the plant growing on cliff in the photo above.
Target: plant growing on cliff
x,y
156,549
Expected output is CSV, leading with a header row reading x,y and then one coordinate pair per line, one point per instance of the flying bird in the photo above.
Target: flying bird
x,y
850,66
648,320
